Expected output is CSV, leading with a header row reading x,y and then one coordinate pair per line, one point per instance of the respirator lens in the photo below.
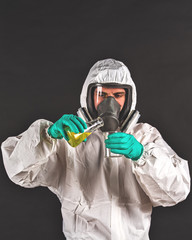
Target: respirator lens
x,y
102,93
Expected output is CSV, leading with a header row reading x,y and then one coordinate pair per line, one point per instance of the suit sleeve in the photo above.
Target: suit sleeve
x,y
31,159
161,173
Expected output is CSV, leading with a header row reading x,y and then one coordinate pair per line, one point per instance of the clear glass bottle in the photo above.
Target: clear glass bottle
x,y
76,138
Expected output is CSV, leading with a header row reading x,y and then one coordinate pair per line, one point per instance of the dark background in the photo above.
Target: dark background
x,y
46,50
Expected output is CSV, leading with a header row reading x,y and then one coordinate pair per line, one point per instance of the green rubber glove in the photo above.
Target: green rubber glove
x,y
124,144
76,125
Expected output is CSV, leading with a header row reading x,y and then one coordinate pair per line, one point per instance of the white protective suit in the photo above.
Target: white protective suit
x,y
101,198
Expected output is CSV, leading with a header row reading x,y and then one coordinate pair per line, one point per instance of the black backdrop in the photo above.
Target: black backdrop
x,y
47,48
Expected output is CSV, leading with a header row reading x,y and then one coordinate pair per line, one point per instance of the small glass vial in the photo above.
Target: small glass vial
x,y
76,138
108,153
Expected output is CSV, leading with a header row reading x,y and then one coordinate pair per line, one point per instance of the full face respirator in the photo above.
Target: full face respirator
x,y
115,116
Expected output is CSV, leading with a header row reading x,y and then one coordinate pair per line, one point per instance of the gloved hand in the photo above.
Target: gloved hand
x,y
125,144
76,125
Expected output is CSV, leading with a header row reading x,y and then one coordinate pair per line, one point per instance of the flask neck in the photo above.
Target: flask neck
x,y
94,124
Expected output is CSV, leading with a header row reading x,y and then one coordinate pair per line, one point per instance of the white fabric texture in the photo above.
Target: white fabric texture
x,y
102,199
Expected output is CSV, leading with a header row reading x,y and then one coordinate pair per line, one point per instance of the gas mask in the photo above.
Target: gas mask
x,y
94,99
109,110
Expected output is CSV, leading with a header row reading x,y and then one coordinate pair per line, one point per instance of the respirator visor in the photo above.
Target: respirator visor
x,y
101,93
97,93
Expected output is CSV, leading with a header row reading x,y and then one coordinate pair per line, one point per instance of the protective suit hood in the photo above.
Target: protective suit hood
x,y
108,71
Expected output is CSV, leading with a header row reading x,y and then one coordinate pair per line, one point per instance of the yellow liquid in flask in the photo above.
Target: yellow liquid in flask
x,y
76,138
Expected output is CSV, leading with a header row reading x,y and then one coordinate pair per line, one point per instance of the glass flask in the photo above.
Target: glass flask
x,y
76,138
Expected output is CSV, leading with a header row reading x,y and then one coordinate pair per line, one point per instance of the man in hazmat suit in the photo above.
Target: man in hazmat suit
x,y
102,197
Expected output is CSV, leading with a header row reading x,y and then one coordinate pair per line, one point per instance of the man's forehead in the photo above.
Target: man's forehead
x,y
107,90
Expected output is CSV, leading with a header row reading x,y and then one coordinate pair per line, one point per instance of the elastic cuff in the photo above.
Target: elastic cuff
x,y
57,135
142,160
49,137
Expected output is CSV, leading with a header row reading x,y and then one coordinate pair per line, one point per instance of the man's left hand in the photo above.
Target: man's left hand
x,y
125,144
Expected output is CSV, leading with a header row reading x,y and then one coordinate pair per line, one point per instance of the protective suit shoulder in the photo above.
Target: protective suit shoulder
x,y
31,158
144,128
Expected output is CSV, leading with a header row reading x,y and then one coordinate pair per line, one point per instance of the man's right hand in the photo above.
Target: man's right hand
x,y
76,125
